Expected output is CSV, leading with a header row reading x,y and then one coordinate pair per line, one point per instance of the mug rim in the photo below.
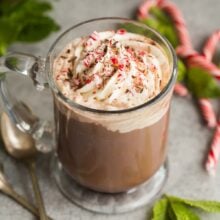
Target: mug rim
x,y
156,98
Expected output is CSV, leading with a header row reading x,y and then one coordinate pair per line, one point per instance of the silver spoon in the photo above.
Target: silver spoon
x,y
21,146
6,188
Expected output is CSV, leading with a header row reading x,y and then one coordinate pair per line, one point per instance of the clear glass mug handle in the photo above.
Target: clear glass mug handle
x,y
20,114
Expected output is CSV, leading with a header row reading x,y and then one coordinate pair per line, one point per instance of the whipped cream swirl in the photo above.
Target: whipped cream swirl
x,y
111,70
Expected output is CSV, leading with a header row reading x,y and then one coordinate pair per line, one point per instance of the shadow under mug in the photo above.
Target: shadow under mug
x,y
105,161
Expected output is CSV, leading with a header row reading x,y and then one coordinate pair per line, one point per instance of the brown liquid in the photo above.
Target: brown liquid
x,y
108,161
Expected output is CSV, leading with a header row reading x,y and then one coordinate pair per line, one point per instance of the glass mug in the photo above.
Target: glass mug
x,y
106,161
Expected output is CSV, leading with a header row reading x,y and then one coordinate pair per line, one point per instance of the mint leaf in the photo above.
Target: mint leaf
x,y
2,75
35,7
175,208
181,71
170,33
134,28
160,210
202,84
24,21
160,15
8,34
151,22
36,28
7,7
208,206
171,214
161,22
181,212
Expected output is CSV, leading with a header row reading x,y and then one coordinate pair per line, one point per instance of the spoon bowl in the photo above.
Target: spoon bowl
x,y
18,144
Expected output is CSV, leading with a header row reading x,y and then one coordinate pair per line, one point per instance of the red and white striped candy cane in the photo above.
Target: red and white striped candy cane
x,y
185,52
185,48
205,63
211,44
207,112
193,58
214,152
144,8
201,61
179,22
180,90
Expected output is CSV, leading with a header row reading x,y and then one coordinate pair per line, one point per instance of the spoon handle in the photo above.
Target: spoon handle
x,y
9,191
36,188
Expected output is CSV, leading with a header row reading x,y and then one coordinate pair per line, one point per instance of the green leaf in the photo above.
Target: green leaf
x,y
25,21
160,210
9,7
202,84
170,33
208,206
2,76
171,214
8,34
181,212
134,28
161,22
36,29
151,22
160,15
36,7
181,71
164,29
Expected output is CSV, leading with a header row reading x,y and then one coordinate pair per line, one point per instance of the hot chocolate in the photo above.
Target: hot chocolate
x,y
111,151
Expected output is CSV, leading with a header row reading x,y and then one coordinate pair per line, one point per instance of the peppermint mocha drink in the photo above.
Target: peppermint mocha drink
x,y
117,145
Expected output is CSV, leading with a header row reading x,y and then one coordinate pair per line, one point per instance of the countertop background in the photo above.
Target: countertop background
x,y
188,139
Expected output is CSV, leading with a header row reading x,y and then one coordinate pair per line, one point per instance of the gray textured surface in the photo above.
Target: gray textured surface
x,y
188,137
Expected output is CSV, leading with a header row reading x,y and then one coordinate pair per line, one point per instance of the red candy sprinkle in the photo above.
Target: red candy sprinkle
x,y
121,31
88,81
121,66
85,62
114,60
142,53
129,50
94,36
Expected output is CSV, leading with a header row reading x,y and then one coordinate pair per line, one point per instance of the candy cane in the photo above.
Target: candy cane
x,y
185,48
180,90
180,26
214,152
202,62
145,7
178,21
193,58
185,52
211,44
207,112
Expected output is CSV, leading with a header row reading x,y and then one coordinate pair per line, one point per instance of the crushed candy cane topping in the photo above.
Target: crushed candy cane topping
x,y
111,70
